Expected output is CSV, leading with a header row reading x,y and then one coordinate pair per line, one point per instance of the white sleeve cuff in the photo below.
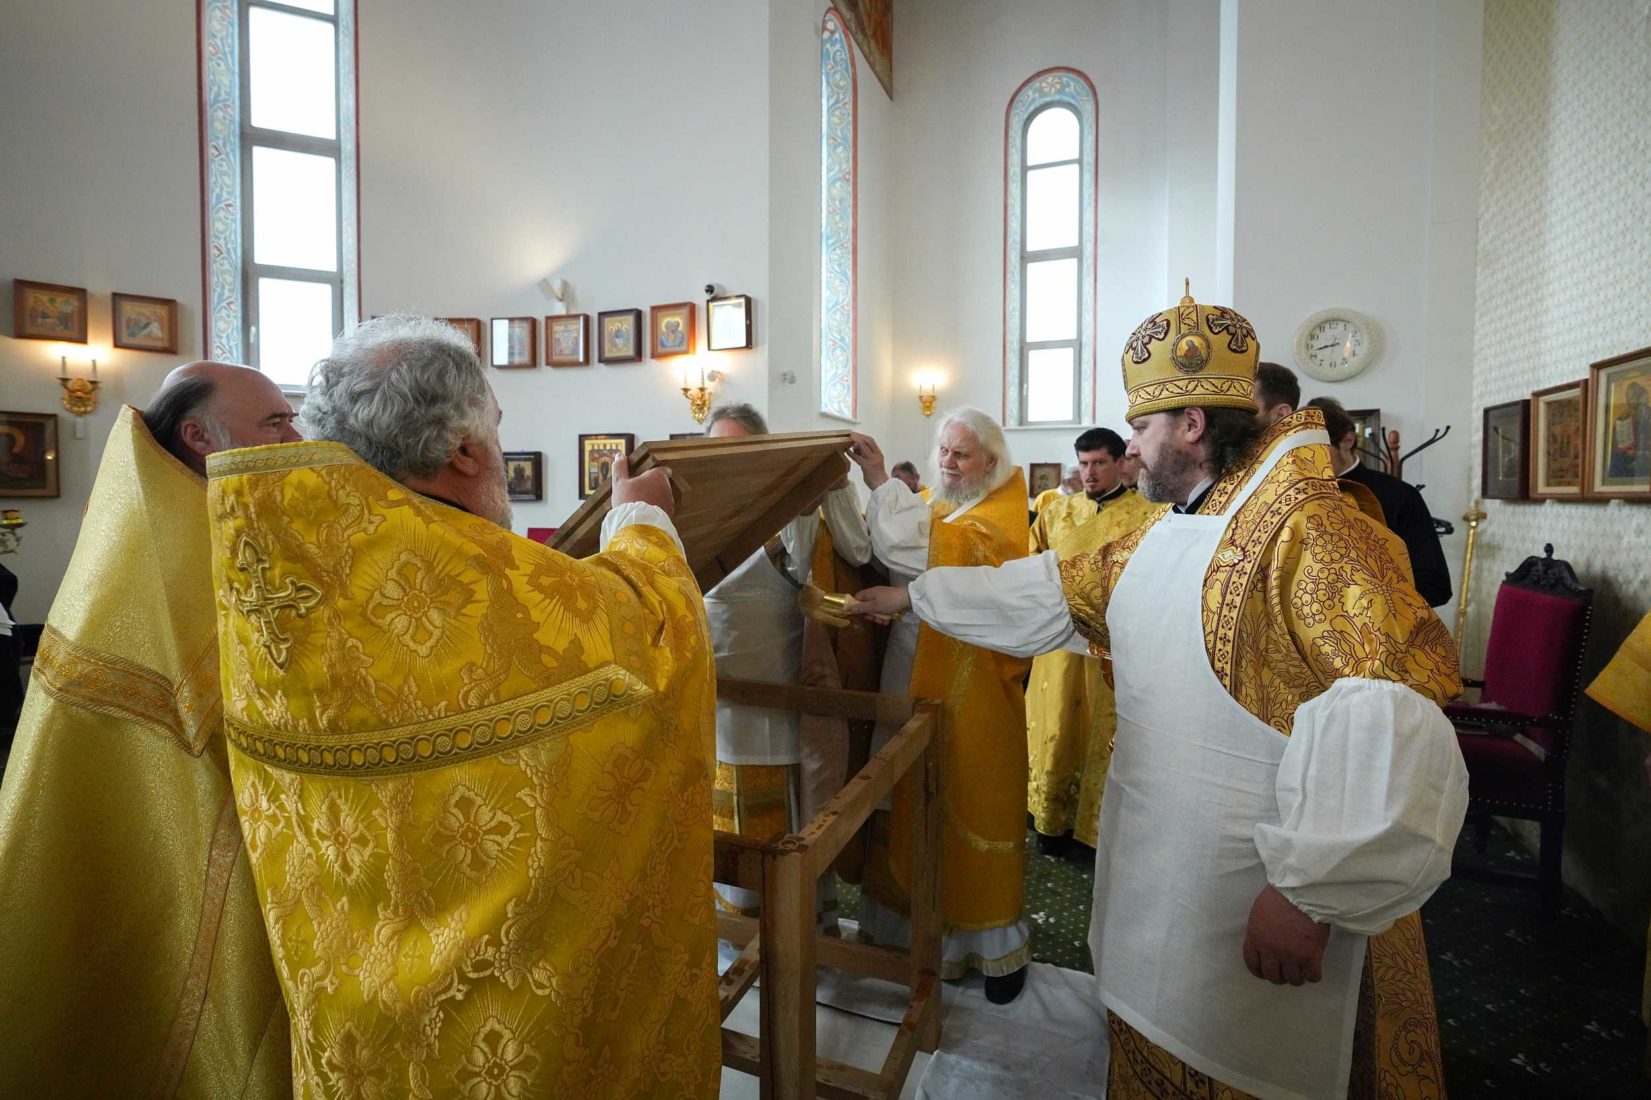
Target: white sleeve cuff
x,y
1372,792
621,516
1018,608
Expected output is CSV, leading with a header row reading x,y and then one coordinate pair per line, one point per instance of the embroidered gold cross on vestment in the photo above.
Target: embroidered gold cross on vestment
x,y
262,604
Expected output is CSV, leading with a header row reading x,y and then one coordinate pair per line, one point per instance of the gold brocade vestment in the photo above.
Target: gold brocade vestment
x,y
475,781
1304,590
1623,686
983,731
1069,763
132,956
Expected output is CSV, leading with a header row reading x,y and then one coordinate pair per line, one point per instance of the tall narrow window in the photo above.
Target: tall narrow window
x,y
1049,251
278,91
839,154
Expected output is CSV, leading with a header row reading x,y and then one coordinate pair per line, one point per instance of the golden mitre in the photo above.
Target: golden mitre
x,y
1189,356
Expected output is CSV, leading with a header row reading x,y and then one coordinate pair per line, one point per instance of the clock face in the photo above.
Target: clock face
x,y
1336,345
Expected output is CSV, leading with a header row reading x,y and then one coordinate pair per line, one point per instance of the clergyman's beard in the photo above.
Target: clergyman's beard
x,y
967,491
497,502
1170,479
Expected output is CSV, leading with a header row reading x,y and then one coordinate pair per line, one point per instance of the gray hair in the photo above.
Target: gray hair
x,y
401,391
992,441
742,414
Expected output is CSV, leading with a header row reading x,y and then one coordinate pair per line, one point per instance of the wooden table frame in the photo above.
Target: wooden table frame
x,y
783,946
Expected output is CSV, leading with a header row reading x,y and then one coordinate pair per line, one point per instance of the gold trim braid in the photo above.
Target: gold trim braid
x,y
278,458
106,684
400,750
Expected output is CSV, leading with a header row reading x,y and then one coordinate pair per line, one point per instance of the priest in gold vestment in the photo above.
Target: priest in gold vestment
x,y
1285,791
976,516
1623,687
474,774
132,957
1069,712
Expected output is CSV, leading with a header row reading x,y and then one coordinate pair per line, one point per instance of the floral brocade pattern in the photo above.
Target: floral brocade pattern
x,y
529,913
1303,590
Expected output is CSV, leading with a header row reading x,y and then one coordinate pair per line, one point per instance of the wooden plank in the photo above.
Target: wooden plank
x,y
742,1052
845,1082
909,1039
862,958
738,979
835,825
737,928
788,974
927,924
867,706
737,861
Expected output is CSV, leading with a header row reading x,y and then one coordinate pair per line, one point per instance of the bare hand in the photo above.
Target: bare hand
x,y
866,454
882,604
653,487
1282,944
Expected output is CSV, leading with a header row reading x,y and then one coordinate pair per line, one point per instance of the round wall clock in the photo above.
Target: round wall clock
x,y
1335,344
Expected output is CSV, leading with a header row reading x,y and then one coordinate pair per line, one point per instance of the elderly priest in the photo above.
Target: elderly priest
x,y
977,515
474,774
1285,791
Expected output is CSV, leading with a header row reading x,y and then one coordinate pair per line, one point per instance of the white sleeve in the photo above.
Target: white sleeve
x,y
1016,608
798,538
849,535
623,515
898,520
1371,794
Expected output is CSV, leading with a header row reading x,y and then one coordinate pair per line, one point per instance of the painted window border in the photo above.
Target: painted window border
x,y
839,220
223,158
1070,88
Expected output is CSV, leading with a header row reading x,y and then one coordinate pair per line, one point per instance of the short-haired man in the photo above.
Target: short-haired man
x,y
122,869
474,774
1277,393
1070,717
1285,791
1403,509
977,514
906,473
777,769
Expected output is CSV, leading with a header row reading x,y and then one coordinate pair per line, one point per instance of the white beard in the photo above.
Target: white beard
x,y
965,493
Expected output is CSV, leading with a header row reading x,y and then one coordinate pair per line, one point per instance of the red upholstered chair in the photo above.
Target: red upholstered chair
x,y
1516,737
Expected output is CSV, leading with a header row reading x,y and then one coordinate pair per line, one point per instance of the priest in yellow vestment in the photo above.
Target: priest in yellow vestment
x,y
1069,712
1623,687
977,516
1285,791
474,774
133,960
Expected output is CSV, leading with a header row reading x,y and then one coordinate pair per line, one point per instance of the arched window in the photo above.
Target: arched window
x,y
1049,251
278,78
839,139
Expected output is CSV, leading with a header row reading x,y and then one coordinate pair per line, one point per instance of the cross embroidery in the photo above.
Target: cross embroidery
x,y
262,604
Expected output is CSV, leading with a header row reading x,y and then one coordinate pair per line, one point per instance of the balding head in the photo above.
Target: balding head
x,y
205,407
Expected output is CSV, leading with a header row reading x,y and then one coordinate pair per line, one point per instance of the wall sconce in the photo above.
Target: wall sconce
x,y
699,396
927,383
11,524
79,394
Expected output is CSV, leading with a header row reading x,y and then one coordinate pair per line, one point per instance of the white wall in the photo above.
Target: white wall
x,y
100,188
958,64
1353,186
621,146
1565,209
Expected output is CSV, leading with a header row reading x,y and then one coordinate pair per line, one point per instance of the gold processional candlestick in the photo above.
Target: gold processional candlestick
x,y
1473,517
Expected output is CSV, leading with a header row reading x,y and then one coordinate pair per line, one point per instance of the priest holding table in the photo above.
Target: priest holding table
x,y
976,515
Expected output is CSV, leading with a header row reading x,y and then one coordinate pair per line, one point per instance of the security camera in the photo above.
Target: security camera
x,y
710,290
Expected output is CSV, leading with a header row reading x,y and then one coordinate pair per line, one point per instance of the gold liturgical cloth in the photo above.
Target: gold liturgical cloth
x,y
132,954
475,781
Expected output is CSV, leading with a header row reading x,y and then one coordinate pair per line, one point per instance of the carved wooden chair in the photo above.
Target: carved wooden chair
x,y
1516,737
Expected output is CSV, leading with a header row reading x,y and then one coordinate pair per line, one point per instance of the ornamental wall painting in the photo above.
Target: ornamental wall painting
x,y
1559,442
1619,457
871,22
